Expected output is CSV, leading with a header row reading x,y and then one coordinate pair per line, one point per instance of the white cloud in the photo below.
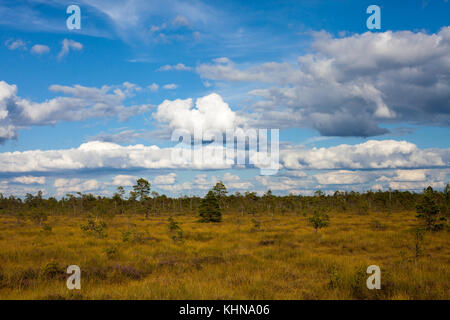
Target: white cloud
x,y
84,103
153,87
232,181
210,112
15,44
416,185
165,179
29,180
350,85
40,49
176,67
124,180
181,20
410,175
242,185
64,186
385,154
97,154
68,45
228,177
341,177
170,86
200,182
372,154
284,183
296,173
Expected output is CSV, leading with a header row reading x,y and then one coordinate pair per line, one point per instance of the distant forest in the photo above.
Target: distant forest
x,y
144,202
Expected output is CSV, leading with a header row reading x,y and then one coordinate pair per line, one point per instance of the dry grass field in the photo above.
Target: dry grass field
x,y
243,257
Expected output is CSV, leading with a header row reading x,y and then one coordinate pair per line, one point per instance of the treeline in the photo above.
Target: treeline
x,y
140,201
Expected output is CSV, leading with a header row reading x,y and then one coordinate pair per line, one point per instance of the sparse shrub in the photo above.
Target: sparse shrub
x,y
256,224
95,229
22,278
335,279
51,270
199,236
175,231
46,228
133,236
120,272
418,240
319,220
38,216
358,285
377,225
111,252
267,242
126,235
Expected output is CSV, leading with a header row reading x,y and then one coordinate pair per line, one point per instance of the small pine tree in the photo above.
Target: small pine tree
x,y
418,240
319,220
429,210
209,209
175,231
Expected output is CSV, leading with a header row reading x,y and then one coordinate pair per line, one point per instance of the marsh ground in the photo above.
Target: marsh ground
x,y
282,258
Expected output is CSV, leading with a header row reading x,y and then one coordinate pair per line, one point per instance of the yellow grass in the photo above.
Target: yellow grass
x,y
284,259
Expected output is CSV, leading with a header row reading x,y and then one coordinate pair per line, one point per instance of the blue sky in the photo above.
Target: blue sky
x,y
357,109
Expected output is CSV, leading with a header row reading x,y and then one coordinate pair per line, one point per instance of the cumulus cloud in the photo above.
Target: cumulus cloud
x,y
228,177
125,136
296,173
285,183
210,112
124,180
82,103
234,182
12,44
372,154
416,185
96,155
40,49
181,20
68,45
165,179
200,182
341,177
373,164
385,154
349,86
64,186
176,67
410,175
357,180
153,87
170,86
29,180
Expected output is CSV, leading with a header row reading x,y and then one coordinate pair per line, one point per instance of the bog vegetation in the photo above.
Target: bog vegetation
x,y
143,245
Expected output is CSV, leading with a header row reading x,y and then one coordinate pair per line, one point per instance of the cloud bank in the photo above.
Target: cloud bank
x,y
349,86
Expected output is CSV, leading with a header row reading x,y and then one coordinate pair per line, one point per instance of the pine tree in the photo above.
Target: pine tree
x,y
209,209
429,210
220,192
319,220
142,189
